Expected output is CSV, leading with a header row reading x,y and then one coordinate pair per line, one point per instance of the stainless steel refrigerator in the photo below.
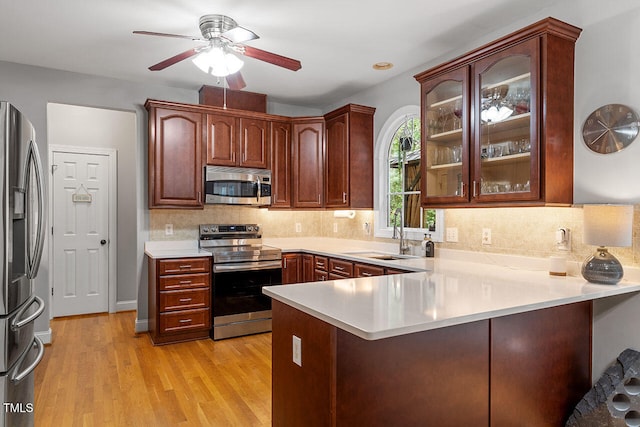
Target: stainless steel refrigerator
x,y
21,244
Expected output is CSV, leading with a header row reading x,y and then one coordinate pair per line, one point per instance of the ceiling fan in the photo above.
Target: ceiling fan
x,y
223,36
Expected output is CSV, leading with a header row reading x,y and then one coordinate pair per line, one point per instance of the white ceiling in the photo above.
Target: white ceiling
x,y
337,41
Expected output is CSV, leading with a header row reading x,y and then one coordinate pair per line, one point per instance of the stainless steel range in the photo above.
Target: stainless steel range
x,y
242,265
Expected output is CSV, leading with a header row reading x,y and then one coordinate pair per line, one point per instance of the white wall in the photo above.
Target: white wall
x,y
73,125
607,66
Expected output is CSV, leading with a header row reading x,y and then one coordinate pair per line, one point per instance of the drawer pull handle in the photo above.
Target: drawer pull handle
x,y
185,320
365,274
185,299
337,267
185,282
185,266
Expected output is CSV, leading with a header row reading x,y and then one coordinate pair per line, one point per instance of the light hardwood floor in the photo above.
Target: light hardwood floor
x,y
98,372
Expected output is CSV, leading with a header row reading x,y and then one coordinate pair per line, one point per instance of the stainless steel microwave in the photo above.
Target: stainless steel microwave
x,y
237,186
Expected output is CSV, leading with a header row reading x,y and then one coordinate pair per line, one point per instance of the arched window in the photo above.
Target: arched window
x,y
398,174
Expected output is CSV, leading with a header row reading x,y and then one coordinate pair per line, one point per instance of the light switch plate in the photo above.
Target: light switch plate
x,y
452,234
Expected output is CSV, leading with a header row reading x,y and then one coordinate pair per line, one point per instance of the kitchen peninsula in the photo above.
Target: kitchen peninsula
x,y
463,344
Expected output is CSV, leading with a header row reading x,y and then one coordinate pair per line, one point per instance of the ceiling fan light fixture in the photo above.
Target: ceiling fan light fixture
x,y
217,62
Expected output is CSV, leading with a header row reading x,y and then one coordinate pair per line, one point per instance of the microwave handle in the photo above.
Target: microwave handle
x,y
258,193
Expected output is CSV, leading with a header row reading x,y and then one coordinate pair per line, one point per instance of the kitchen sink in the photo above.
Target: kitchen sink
x,y
380,255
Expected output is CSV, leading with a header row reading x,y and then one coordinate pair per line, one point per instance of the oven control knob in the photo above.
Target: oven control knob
x,y
249,227
205,229
256,228
214,228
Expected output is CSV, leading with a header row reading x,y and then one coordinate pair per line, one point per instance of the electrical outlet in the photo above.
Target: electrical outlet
x,y
335,227
168,229
486,236
298,227
452,234
297,350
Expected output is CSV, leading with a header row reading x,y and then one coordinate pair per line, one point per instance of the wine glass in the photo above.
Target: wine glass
x,y
457,111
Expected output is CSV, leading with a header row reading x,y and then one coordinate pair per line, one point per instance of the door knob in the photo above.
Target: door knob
x,y
103,242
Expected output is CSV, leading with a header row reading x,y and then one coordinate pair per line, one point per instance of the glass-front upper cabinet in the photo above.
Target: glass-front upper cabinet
x,y
498,122
445,126
506,140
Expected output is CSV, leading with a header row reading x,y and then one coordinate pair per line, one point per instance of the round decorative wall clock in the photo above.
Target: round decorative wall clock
x,y
610,128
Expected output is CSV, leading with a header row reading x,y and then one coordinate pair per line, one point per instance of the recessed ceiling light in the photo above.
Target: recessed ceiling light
x,y
382,65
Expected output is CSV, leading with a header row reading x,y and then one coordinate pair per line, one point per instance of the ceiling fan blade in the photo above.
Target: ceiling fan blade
x,y
175,36
174,59
239,35
272,58
235,81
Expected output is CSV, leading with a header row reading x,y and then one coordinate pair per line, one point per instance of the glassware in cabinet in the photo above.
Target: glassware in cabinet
x,y
506,137
445,126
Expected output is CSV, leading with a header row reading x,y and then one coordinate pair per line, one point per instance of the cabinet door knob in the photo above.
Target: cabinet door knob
x,y
103,242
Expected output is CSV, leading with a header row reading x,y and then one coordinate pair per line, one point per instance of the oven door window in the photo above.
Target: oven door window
x,y
241,291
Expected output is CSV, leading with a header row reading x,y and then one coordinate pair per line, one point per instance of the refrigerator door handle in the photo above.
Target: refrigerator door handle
x,y
17,377
34,158
16,323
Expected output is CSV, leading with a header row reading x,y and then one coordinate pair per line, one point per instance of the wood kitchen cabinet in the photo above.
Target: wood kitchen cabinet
x,y
321,268
183,138
280,164
348,166
498,122
222,137
367,270
175,157
308,272
179,299
307,162
291,268
237,141
514,370
340,269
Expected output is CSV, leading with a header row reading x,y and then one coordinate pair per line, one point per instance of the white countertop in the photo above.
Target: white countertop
x,y
174,249
455,288
455,292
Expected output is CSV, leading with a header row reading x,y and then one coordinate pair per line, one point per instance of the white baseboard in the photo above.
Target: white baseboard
x,y
126,305
45,336
142,325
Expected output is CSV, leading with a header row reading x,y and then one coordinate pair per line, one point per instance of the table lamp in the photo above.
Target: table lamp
x,y
606,225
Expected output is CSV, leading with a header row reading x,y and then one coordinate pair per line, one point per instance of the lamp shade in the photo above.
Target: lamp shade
x,y
217,62
608,225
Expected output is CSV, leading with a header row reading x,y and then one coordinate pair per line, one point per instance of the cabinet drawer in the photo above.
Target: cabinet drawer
x,y
365,270
320,262
341,267
184,281
184,265
185,320
184,300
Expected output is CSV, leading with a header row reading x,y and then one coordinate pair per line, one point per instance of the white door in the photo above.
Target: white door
x,y
80,204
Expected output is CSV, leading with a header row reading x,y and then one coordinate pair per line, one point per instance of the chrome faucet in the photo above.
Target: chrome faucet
x,y
403,246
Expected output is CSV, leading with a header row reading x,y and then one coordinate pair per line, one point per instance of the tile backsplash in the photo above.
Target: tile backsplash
x,y
514,231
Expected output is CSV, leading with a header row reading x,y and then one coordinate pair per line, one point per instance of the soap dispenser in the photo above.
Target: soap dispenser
x,y
428,248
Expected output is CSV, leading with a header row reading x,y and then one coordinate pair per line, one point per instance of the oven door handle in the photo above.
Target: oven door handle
x,y
246,266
